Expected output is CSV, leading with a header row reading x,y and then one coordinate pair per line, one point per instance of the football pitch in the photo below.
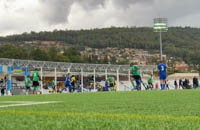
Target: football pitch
x,y
151,110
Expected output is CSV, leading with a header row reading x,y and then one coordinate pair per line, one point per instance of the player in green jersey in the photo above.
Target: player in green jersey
x,y
136,75
36,75
28,84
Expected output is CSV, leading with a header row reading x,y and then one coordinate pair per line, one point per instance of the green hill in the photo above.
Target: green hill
x,y
181,43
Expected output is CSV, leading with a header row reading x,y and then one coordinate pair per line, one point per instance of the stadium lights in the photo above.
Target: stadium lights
x,y
160,25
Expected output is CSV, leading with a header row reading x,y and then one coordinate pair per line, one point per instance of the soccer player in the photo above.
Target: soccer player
x,y
111,82
106,85
53,85
163,74
36,75
73,82
28,84
68,82
136,75
150,82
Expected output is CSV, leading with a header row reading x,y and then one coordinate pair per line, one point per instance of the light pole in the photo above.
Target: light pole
x,y
160,25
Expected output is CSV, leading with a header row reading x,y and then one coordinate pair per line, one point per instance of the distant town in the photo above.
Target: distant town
x,y
115,55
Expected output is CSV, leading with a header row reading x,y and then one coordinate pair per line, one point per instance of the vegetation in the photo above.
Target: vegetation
x,y
52,54
182,43
153,110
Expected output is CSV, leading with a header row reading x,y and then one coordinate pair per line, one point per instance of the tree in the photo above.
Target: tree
x,y
38,54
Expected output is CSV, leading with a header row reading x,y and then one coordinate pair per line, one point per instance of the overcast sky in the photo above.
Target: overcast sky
x,y
18,16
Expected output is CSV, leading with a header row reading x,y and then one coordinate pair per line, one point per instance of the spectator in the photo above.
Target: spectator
x,y
195,83
186,84
180,83
175,84
167,84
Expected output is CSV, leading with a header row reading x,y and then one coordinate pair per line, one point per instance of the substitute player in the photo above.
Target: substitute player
x,y
136,75
163,75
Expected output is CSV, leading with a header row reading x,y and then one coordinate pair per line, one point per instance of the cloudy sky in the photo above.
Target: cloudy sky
x,y
18,16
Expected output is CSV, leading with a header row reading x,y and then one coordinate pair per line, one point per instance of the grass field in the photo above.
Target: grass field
x,y
152,110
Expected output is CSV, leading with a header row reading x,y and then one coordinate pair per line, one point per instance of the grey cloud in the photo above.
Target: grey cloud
x,y
54,11
52,14
91,4
174,10
128,3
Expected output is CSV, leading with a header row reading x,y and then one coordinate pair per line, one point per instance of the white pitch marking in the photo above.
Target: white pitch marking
x,y
24,103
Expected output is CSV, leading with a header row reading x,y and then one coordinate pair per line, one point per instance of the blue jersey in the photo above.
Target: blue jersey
x,y
163,71
106,84
68,81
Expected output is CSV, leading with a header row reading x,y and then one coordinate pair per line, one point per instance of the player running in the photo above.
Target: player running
x,y
136,75
163,75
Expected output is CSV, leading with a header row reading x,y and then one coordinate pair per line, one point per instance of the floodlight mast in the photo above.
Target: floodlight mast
x,y
161,54
160,25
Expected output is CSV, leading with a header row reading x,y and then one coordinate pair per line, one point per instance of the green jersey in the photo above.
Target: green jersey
x,y
135,70
150,80
36,75
53,84
28,82
111,80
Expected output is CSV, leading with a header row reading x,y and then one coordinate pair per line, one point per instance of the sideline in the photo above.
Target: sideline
x,y
24,103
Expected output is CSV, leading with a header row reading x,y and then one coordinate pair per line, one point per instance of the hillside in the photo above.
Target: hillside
x,y
182,43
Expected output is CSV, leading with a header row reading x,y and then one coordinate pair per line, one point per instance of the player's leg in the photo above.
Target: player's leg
x,y
36,88
161,84
70,88
138,82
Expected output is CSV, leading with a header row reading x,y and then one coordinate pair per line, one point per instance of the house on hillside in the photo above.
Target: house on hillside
x,y
181,66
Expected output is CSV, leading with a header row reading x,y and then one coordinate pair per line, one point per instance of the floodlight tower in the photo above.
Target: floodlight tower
x,y
160,25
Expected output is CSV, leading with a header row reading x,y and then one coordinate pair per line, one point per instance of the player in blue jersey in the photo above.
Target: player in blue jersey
x,y
67,83
163,74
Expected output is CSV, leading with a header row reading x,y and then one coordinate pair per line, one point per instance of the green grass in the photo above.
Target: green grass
x,y
152,110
